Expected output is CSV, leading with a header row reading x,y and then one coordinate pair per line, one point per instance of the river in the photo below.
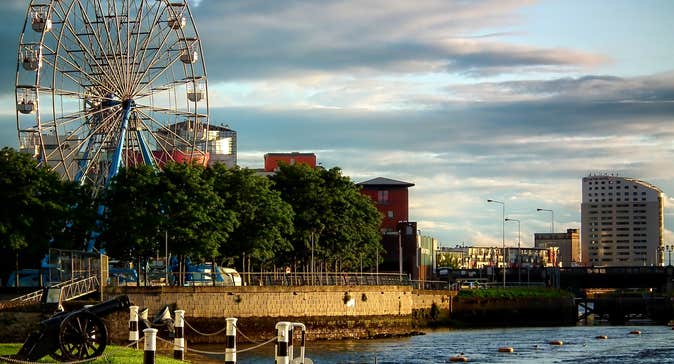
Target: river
x,y
655,344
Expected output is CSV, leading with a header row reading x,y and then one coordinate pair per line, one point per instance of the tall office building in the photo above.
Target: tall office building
x,y
621,222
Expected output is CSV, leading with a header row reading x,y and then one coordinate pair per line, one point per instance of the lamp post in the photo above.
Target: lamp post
x,y
519,241
669,249
400,253
552,219
502,235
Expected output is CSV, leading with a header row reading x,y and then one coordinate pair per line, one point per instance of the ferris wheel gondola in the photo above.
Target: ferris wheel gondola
x,y
102,84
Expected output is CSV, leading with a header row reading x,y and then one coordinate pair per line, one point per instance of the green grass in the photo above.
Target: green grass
x,y
112,355
512,293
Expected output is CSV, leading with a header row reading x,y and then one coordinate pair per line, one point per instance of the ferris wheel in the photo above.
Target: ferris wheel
x,y
102,84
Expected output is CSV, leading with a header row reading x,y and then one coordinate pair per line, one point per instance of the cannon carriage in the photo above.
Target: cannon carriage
x,y
74,335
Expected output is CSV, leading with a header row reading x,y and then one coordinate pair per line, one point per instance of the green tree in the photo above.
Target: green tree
x,y
329,209
197,220
133,217
263,219
36,208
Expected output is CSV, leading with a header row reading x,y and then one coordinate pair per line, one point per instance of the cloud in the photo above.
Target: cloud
x,y
595,88
370,38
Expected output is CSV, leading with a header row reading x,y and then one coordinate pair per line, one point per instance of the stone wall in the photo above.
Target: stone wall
x,y
423,300
273,301
329,312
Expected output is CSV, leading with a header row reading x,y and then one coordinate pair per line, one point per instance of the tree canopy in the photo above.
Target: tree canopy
x,y
329,208
38,207
203,212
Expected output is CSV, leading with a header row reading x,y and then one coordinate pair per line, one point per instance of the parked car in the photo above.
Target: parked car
x,y
471,285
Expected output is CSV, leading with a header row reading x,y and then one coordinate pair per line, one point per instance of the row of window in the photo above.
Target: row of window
x,y
611,187
604,182
611,200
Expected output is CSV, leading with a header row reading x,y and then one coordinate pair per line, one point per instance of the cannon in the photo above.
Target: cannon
x,y
74,335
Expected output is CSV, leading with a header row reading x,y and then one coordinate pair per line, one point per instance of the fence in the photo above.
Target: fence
x,y
269,279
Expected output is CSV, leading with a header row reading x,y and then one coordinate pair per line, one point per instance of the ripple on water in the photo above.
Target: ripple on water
x,y
655,345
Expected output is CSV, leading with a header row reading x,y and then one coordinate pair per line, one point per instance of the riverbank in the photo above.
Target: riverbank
x,y
329,312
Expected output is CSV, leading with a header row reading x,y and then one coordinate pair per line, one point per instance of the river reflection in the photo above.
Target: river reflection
x,y
531,345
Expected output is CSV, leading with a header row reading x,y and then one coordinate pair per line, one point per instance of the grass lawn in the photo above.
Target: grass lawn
x,y
112,355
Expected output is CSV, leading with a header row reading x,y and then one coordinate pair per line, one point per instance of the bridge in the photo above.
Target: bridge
x,y
576,279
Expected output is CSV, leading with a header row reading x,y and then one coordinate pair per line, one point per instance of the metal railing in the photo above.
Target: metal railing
x,y
270,279
78,288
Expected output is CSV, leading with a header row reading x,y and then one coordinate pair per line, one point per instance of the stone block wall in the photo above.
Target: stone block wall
x,y
273,301
423,300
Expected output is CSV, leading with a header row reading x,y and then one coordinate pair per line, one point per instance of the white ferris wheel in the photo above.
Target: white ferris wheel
x,y
102,84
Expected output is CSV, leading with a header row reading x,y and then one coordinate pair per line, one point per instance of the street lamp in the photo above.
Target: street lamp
x,y
669,249
552,219
519,240
502,234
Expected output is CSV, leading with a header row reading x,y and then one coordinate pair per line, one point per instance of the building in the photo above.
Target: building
x,y
568,244
272,160
621,222
406,249
391,198
219,141
221,145
478,257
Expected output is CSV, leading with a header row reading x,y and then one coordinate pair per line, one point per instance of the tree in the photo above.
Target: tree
x,y
263,219
133,218
197,220
36,208
143,206
330,209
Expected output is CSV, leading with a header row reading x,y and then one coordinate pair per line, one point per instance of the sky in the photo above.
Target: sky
x,y
511,100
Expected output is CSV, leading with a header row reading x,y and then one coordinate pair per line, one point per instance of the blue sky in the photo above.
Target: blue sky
x,y
470,100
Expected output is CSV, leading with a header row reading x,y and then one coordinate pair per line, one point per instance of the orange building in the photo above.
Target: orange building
x,y
272,160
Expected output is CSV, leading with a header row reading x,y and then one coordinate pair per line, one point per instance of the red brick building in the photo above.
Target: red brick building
x,y
272,160
391,198
399,235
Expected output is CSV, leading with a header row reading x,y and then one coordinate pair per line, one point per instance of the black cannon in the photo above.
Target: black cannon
x,y
74,335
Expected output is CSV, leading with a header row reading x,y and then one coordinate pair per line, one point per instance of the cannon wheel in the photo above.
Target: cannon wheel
x,y
82,335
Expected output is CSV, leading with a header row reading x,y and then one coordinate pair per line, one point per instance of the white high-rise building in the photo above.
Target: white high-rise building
x,y
621,222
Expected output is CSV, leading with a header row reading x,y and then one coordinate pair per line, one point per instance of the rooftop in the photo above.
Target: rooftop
x,y
381,182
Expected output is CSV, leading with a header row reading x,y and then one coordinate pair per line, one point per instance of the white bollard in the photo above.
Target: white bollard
x,y
150,346
291,337
133,326
230,348
179,338
302,345
282,339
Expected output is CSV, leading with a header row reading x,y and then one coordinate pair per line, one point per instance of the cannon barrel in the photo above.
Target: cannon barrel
x,y
109,306
47,339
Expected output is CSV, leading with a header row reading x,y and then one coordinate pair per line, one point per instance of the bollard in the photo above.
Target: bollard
x,y
282,342
150,346
179,339
230,349
291,337
303,342
133,326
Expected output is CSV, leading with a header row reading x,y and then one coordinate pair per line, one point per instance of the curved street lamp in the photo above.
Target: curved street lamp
x,y
552,219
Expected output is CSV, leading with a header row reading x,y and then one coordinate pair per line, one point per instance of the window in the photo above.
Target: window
x,y
390,214
382,196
